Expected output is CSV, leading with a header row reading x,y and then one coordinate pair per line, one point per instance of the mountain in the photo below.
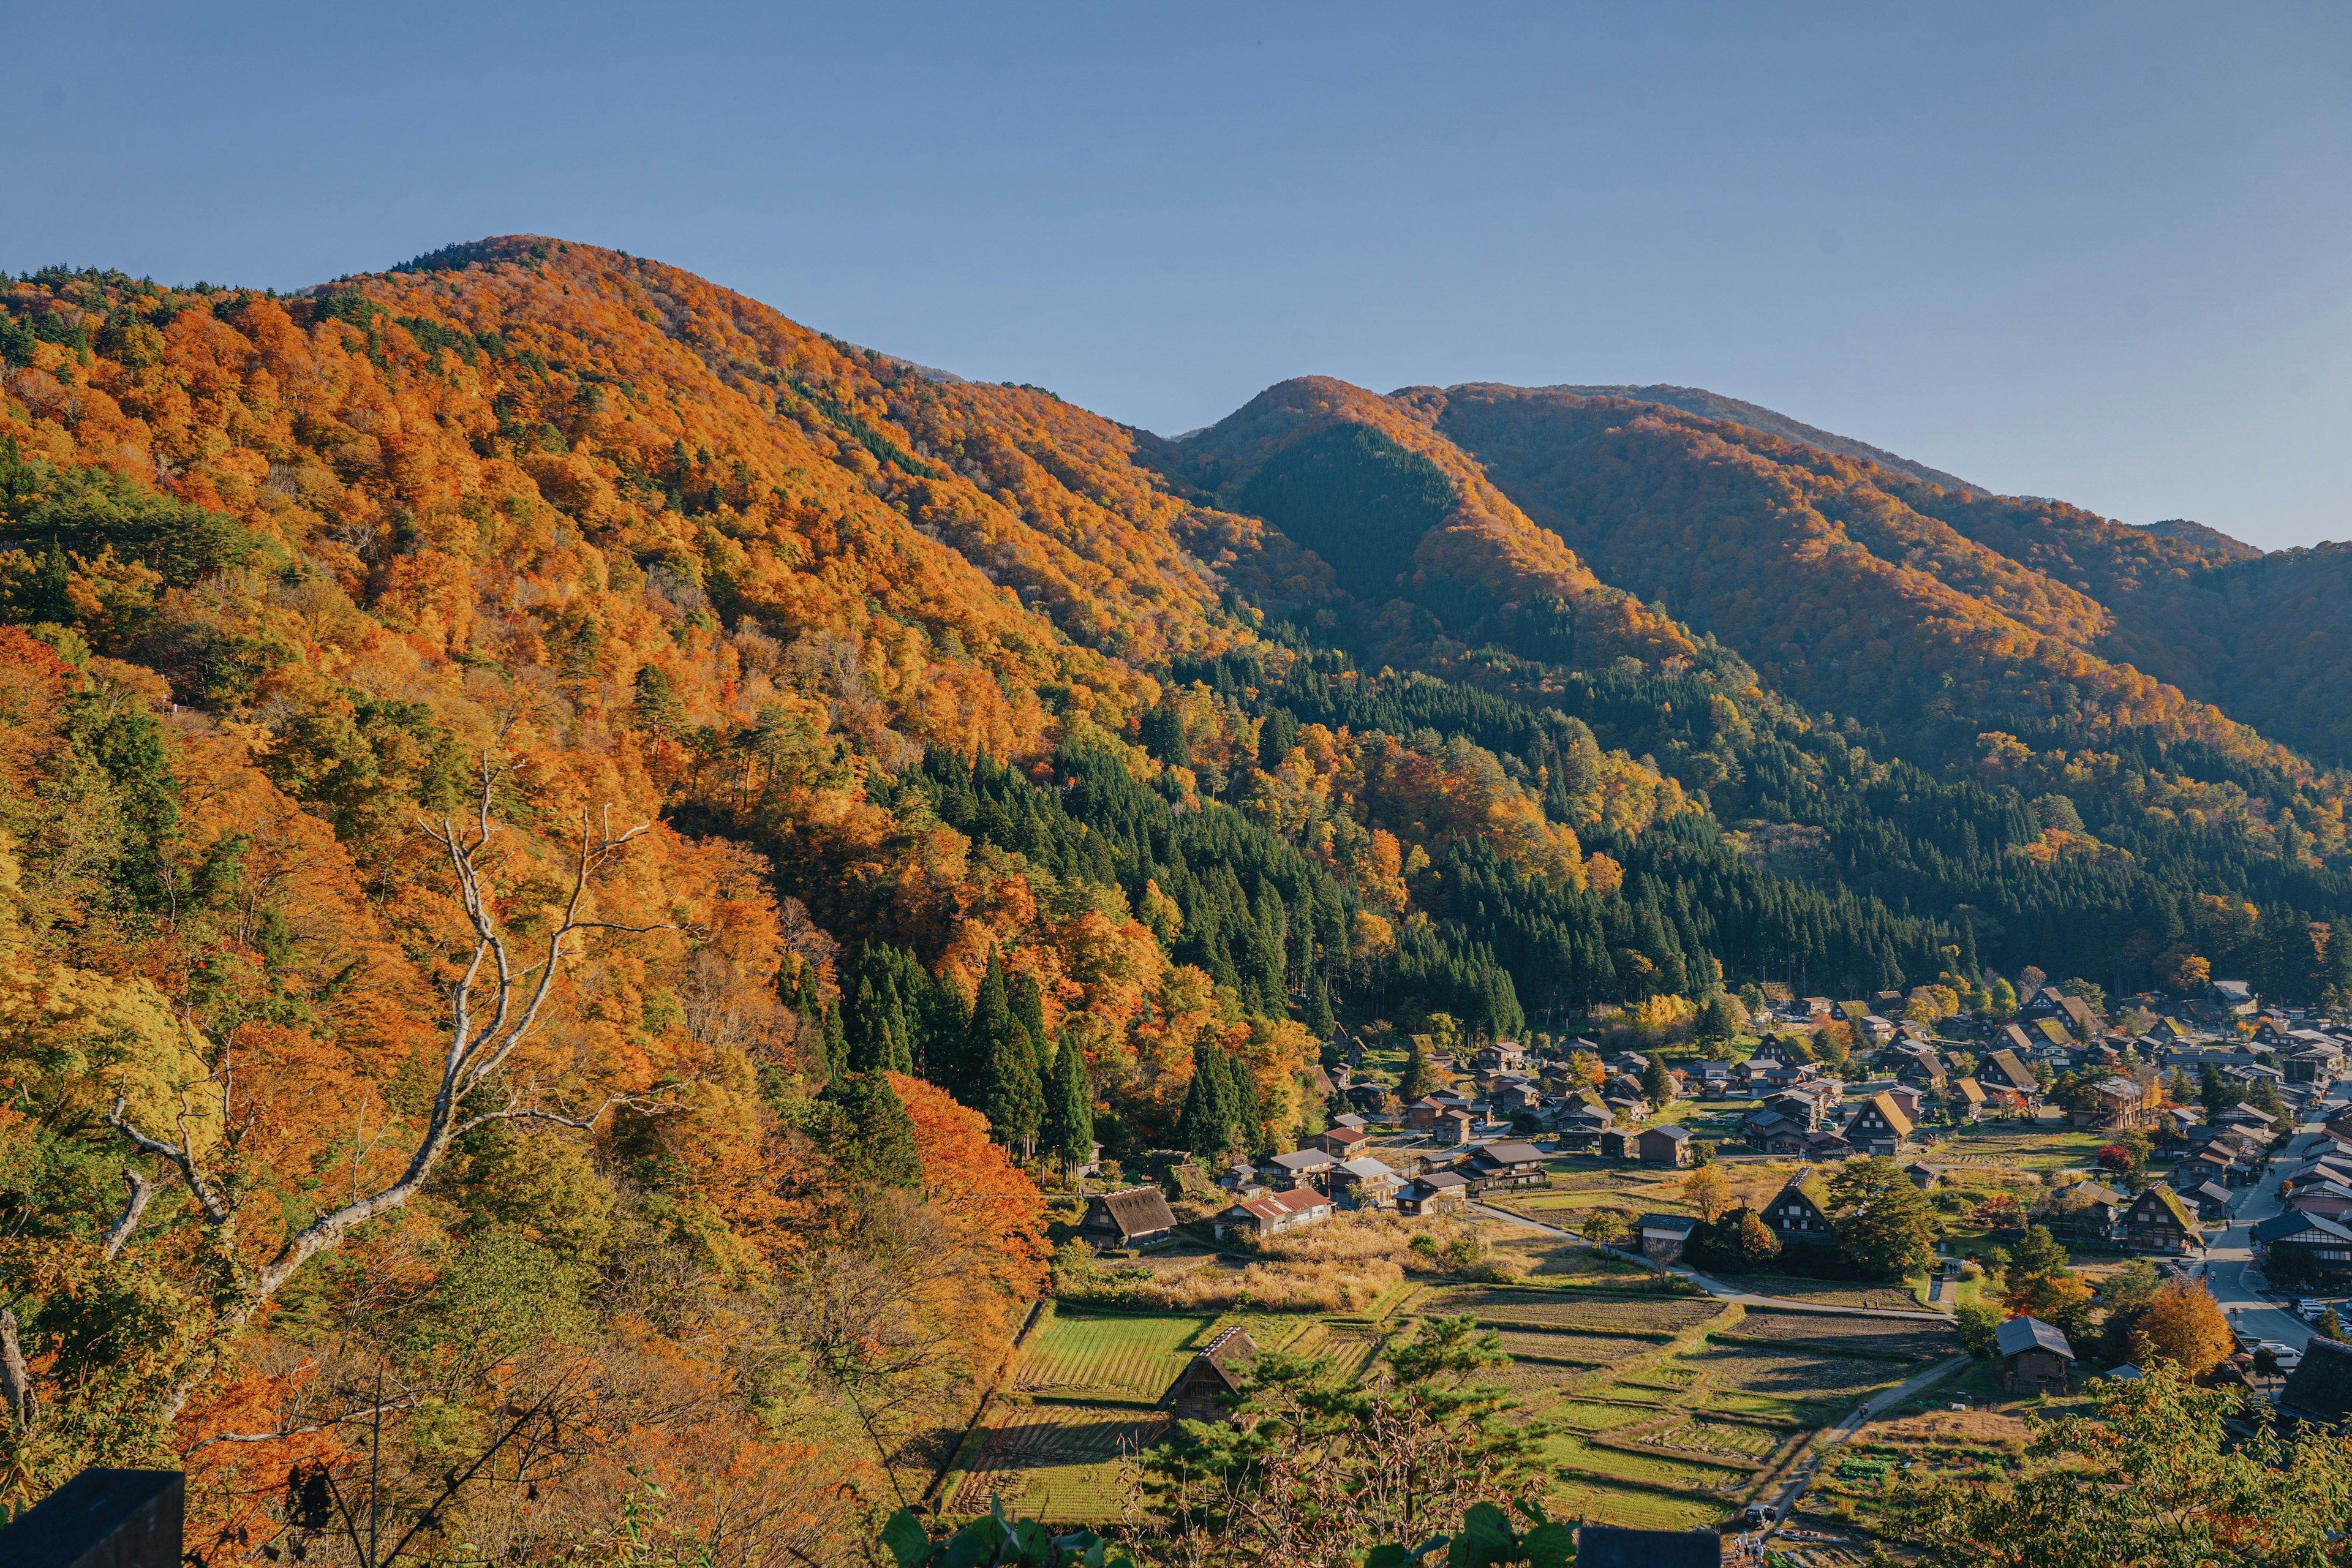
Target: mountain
x,y
2211,540
597,853
1715,405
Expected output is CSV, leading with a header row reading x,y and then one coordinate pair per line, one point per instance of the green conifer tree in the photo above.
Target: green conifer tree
x,y
1205,1126
868,1029
837,1043
1419,1077
867,1133
1069,1132
1004,1066
1321,1020
1247,1116
1029,1008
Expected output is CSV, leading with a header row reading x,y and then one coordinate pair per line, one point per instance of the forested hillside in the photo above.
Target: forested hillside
x,y
573,852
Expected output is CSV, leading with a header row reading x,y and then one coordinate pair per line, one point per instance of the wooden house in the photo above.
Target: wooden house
x,y
2116,1104
1879,1126
1135,1216
1215,1374
1968,1099
1617,1144
1438,1192
1511,1164
1273,1213
2081,1211
2329,1244
2005,1073
1770,1132
2035,1357
1299,1168
2328,1200
1365,1183
1340,1142
2158,1221
1798,1213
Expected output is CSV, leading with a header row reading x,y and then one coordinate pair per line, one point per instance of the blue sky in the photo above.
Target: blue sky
x,y
2091,251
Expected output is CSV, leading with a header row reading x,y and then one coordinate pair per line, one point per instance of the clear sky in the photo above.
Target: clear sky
x,y
2098,252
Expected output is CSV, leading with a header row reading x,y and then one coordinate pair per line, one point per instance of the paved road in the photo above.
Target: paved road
x,y
2229,1257
1715,1286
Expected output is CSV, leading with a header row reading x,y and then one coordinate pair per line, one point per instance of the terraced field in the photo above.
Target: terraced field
x,y
1108,1359
1576,1452
1594,1498
1912,1338
1790,1384
1645,1314
1584,1350
1061,1464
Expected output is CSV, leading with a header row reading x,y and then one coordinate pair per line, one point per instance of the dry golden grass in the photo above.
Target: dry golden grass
x,y
1332,1287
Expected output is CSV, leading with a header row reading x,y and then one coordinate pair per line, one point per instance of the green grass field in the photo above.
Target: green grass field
x,y
1073,1355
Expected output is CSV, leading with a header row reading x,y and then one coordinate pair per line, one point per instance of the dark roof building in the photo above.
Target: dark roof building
x,y
2158,1221
2321,1387
1437,1191
1214,1374
1798,1213
2035,1357
1137,1217
1606,1546
1664,1145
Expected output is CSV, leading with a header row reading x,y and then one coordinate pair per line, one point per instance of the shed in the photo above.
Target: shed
x,y
1664,1145
1136,1216
1665,1235
2035,1357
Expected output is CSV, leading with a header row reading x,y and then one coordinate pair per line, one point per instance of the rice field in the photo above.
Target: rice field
x,y
1107,1358
1589,1415
1573,1451
1733,1440
1061,1464
1787,1386
1643,1314
1896,1298
1914,1338
1592,1497
1584,1350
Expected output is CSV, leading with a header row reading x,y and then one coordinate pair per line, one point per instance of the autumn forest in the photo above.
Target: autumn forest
x,y
579,861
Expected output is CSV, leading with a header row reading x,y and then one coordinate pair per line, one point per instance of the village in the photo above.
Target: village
x,y
1650,1225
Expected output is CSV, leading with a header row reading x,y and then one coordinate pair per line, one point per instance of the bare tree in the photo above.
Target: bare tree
x,y
494,1004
